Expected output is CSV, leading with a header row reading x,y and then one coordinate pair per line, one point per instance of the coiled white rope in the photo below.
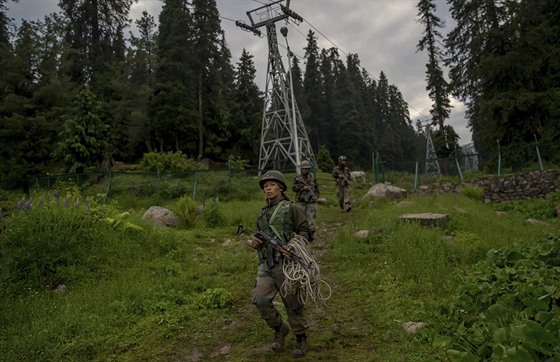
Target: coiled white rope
x,y
305,279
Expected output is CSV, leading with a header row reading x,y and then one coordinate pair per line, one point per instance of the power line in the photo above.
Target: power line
x,y
419,114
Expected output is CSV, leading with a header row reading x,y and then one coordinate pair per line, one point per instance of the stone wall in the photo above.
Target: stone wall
x,y
536,184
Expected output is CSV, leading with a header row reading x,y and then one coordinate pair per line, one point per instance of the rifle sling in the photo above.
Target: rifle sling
x,y
270,250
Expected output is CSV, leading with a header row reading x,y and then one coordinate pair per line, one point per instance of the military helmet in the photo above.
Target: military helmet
x,y
274,175
305,164
342,158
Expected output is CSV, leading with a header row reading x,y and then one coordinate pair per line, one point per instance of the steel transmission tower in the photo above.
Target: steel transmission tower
x,y
284,140
432,165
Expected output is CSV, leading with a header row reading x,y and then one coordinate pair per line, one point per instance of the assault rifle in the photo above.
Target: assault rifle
x,y
273,243
311,191
347,182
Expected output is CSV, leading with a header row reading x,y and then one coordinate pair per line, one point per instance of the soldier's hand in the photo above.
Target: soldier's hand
x,y
255,242
286,251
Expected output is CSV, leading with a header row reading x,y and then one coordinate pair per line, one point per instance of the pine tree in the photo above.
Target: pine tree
x,y
437,86
173,107
83,137
93,32
247,111
313,114
213,76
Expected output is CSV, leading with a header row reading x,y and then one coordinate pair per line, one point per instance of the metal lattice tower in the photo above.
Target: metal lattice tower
x,y
432,165
284,140
471,158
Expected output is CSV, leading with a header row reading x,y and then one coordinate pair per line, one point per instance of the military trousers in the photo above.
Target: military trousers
x,y
310,211
343,193
267,286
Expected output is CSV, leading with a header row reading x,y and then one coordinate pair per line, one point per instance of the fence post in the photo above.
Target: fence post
x,y
108,192
538,152
195,184
457,163
416,176
499,159
157,181
229,180
374,179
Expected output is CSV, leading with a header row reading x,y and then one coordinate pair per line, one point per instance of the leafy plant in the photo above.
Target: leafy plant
x,y
509,306
215,298
236,163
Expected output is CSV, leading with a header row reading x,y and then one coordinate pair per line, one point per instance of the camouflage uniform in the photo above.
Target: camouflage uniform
x,y
288,220
341,175
306,199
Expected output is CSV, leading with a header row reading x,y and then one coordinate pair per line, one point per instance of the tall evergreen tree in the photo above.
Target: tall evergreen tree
x,y
247,111
210,62
328,76
437,86
503,64
141,63
93,32
173,108
313,114
82,142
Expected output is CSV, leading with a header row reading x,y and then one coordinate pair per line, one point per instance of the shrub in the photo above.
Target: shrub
x,y
186,212
472,192
54,241
236,163
214,216
168,161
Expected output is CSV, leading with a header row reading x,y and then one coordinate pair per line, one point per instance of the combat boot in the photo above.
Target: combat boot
x,y
280,334
301,346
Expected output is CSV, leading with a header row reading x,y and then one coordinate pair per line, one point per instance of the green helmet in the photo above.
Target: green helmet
x,y
274,175
341,158
305,164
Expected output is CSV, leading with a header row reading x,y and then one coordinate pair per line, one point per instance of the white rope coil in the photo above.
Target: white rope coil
x,y
303,278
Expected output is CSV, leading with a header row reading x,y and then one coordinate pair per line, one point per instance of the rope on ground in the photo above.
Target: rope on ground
x,y
303,280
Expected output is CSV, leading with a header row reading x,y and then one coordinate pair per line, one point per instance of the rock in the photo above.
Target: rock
x,y
362,234
386,191
536,222
403,204
160,217
413,327
324,202
426,219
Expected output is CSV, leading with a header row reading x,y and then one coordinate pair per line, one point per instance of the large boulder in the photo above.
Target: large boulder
x,y
160,217
386,191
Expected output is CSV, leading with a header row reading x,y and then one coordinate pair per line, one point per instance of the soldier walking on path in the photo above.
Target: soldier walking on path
x,y
306,187
284,221
341,175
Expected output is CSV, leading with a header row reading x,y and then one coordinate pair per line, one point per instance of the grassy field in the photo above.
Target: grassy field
x,y
91,281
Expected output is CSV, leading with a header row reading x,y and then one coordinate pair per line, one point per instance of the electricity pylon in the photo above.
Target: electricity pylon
x,y
284,140
432,165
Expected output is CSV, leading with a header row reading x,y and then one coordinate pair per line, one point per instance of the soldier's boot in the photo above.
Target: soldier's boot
x,y
280,334
301,346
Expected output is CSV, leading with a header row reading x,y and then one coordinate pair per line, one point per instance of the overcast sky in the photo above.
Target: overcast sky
x,y
384,34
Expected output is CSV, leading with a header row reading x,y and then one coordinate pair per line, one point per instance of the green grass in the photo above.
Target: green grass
x,y
184,294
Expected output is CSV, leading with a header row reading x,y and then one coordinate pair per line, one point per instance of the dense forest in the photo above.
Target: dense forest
x,y
77,93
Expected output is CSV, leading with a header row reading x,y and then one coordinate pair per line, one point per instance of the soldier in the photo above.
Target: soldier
x,y
306,187
282,219
341,175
